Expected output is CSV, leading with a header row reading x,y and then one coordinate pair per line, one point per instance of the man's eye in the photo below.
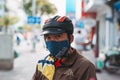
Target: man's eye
x,y
48,37
58,35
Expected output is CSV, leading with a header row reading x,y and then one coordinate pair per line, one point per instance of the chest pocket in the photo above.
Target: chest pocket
x,y
68,75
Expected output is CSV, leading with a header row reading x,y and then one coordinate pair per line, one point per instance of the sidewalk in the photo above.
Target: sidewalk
x,y
25,64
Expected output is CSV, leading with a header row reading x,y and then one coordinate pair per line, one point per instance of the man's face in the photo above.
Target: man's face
x,y
56,37
58,44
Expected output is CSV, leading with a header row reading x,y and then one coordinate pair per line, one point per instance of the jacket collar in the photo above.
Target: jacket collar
x,y
70,58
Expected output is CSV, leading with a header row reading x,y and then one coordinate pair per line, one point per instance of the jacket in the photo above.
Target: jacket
x,y
76,67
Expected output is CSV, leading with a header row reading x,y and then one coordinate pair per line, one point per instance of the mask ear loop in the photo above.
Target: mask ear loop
x,y
45,42
68,35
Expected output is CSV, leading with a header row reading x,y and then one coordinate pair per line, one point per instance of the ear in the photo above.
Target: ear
x,y
71,38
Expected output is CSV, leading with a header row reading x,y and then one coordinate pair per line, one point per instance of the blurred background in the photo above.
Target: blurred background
x,y
21,44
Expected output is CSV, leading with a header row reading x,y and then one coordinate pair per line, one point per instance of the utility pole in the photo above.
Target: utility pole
x,y
33,27
33,7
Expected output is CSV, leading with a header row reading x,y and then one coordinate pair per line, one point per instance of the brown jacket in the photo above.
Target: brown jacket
x,y
76,67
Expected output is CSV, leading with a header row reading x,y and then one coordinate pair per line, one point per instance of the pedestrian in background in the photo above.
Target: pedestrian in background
x,y
63,62
79,41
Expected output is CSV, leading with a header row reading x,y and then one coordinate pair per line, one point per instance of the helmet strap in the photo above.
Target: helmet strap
x,y
68,35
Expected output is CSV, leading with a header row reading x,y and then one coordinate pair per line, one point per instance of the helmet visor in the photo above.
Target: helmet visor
x,y
53,31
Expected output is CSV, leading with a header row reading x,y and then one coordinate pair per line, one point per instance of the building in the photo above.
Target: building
x,y
2,8
106,20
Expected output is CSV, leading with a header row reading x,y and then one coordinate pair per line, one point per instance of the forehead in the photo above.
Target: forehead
x,y
64,34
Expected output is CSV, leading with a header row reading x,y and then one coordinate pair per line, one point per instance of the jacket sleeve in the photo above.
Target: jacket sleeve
x,y
90,73
38,75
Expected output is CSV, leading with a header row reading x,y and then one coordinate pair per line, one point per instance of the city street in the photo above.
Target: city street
x,y
24,65
25,24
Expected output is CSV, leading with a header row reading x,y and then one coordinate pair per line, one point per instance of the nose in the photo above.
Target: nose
x,y
53,39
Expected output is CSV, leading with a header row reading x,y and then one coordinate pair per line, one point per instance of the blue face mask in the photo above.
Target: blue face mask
x,y
58,49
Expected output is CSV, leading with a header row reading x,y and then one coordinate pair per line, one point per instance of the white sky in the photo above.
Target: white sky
x,y
60,5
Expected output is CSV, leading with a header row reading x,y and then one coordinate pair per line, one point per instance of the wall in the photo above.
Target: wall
x,y
6,51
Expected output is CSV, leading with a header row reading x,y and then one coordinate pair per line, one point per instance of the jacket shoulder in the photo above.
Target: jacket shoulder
x,y
82,61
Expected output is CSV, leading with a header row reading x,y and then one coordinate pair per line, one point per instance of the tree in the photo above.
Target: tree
x,y
7,20
42,7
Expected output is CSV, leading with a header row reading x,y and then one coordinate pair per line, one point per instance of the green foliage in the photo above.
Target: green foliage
x,y
27,6
13,20
28,27
0,6
48,9
8,20
42,6
38,26
20,28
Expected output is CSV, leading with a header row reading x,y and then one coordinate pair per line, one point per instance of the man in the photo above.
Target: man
x,y
63,62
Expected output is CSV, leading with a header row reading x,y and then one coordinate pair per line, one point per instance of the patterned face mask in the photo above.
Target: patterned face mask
x,y
58,48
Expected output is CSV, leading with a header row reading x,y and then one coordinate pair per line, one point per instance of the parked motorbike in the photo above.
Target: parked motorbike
x,y
112,61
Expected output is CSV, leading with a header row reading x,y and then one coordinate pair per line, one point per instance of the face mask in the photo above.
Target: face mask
x,y
58,49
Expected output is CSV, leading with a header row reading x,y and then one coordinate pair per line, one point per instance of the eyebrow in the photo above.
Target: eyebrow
x,y
54,34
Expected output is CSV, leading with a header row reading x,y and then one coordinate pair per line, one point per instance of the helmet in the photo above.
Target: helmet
x,y
58,25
